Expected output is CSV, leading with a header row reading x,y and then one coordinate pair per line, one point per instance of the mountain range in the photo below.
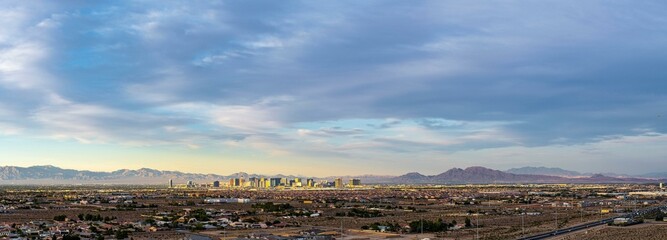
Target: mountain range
x,y
552,171
486,175
545,171
55,175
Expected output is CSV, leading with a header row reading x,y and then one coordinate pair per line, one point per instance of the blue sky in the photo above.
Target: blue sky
x,y
337,87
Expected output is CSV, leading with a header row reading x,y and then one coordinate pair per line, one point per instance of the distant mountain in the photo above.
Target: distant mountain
x,y
365,179
485,175
474,175
654,175
610,174
413,177
544,171
55,175
50,172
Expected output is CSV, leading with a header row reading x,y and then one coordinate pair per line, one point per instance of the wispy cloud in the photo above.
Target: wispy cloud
x,y
444,81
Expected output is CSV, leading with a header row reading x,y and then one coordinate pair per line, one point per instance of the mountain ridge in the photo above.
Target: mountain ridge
x,y
470,175
549,171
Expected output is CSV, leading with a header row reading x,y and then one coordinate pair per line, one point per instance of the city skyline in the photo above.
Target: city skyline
x,y
334,88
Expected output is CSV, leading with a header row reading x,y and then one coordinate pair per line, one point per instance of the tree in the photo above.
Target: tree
x,y
199,214
60,218
468,223
121,235
71,237
428,226
198,227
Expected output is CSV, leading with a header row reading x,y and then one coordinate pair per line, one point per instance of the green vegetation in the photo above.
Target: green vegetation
x,y
133,206
429,226
271,207
121,234
199,214
361,213
71,237
90,217
376,226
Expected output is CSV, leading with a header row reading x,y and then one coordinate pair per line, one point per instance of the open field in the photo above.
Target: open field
x,y
380,212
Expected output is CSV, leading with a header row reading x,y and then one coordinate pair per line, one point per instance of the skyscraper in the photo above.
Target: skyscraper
x,y
262,183
338,183
171,183
254,182
216,184
274,182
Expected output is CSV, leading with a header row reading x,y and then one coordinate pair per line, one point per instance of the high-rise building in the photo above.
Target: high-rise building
x,y
297,182
355,182
338,183
171,183
216,184
274,182
254,182
236,182
310,182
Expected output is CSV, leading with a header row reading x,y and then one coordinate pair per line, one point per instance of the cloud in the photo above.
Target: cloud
x,y
327,132
23,55
337,80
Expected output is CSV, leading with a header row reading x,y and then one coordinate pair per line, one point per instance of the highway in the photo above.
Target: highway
x,y
588,225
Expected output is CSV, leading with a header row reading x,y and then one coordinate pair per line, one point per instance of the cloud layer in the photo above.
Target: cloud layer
x,y
423,85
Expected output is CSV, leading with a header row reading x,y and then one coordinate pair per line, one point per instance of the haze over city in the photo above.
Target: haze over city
x,y
334,88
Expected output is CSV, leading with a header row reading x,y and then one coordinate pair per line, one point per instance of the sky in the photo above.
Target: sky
x,y
334,87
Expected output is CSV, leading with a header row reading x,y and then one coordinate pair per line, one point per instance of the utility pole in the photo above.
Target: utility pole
x,y
556,218
421,223
523,231
477,224
581,213
634,203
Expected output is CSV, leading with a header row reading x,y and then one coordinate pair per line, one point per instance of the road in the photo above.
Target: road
x,y
589,225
